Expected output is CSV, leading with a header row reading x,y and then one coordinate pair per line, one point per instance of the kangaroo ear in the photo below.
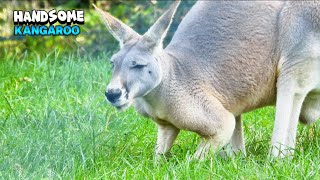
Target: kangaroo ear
x,y
155,35
118,29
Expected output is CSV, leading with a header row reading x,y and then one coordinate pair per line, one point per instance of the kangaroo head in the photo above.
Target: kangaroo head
x,y
136,66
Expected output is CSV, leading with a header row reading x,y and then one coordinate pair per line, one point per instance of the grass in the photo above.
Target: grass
x,y
55,123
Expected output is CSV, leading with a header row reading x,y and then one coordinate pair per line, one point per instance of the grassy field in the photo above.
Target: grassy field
x,y
55,123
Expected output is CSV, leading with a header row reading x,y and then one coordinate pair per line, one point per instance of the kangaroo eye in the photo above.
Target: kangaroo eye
x,y
139,66
135,65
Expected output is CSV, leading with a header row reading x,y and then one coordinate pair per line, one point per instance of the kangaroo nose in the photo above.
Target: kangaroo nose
x,y
113,95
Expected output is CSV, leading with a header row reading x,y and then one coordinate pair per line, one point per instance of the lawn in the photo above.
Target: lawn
x,y
55,123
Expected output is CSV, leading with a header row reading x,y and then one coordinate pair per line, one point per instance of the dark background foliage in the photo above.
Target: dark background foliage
x,y
94,37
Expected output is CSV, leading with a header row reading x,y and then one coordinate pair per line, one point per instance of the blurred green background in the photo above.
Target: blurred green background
x,y
93,39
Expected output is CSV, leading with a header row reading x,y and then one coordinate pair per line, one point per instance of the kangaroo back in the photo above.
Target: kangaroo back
x,y
230,48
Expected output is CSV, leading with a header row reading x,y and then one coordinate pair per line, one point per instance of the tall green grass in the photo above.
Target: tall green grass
x,y
55,123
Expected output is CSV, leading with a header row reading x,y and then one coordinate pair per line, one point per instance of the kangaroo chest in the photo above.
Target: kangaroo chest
x,y
156,112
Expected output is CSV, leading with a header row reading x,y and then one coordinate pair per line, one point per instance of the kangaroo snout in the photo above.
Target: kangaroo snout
x,y
113,95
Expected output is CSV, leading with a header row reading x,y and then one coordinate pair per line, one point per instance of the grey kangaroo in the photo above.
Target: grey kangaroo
x,y
226,58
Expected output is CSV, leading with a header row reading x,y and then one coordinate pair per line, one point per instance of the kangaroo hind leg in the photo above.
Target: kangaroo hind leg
x,y
311,109
298,77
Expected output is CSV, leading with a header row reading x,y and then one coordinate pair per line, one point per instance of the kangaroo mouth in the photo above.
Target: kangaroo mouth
x,y
123,107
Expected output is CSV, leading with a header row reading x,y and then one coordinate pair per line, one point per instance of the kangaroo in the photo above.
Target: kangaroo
x,y
226,58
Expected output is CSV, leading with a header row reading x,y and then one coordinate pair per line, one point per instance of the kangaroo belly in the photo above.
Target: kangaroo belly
x,y
249,96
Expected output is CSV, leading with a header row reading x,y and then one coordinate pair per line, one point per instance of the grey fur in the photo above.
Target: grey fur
x,y
226,58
